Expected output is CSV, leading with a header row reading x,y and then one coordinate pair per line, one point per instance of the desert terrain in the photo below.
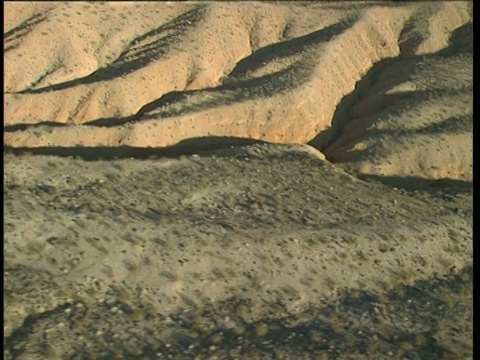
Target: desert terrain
x,y
238,180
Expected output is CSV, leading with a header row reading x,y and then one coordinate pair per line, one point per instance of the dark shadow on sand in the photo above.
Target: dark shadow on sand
x,y
461,41
154,44
21,30
22,127
186,147
411,183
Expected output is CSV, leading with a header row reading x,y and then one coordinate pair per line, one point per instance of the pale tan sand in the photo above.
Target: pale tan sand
x,y
146,218
158,73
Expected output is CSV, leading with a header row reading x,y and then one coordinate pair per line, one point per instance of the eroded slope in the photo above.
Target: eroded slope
x,y
154,74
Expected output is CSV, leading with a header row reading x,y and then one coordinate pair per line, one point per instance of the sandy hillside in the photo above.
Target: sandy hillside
x,y
154,74
244,180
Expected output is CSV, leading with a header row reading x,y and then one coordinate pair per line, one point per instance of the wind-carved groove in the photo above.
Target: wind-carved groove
x,y
327,138
412,36
13,38
82,102
288,48
181,103
450,126
360,5
141,51
54,67
177,103
236,89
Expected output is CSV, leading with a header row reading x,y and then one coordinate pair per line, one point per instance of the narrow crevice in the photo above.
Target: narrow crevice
x,y
342,116
343,113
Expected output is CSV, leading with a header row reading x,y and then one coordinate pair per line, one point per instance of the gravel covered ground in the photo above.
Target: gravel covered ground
x,y
253,252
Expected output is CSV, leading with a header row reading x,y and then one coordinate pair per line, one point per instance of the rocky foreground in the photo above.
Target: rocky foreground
x,y
230,254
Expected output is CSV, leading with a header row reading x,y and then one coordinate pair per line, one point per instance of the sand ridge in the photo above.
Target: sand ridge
x,y
178,74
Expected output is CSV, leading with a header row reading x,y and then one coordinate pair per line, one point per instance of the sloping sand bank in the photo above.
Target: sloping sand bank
x,y
223,241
